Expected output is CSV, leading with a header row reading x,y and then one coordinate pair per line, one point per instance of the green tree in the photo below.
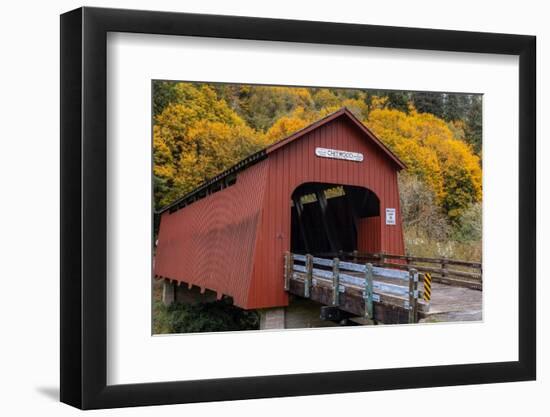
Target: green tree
x,y
474,123
428,102
164,93
398,100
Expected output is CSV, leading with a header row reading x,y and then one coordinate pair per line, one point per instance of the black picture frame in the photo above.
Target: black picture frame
x,y
84,207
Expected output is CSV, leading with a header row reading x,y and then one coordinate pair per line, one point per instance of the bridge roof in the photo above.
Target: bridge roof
x,y
344,111
264,153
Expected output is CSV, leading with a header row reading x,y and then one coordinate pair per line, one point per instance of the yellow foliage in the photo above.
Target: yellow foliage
x,y
358,107
197,135
287,125
431,151
284,127
458,127
196,138
325,98
378,103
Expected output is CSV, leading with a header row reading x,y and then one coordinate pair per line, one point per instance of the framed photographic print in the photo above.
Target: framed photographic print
x,y
257,207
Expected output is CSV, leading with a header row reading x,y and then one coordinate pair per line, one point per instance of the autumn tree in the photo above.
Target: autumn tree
x,y
194,138
427,145
357,106
324,97
283,127
263,106
201,129
213,147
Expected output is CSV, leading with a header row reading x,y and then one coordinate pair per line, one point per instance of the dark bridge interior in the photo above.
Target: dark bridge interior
x,y
325,217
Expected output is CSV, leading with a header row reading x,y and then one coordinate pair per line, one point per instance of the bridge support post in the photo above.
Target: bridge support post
x,y
272,318
168,292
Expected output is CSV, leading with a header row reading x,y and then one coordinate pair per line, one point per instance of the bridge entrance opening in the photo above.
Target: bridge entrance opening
x,y
329,218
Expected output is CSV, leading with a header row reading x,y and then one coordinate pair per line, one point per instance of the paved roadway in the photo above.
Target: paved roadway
x,y
450,303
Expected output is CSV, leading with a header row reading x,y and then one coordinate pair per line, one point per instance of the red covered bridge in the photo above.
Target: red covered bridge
x,y
329,187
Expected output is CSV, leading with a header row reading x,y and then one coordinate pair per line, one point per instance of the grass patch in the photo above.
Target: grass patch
x,y
421,245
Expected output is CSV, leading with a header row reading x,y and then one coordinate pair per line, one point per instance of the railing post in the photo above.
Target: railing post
x,y
481,275
354,254
368,294
288,269
336,282
309,276
413,295
444,271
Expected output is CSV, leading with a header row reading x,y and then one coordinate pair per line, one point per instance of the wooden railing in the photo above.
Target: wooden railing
x,y
354,287
443,270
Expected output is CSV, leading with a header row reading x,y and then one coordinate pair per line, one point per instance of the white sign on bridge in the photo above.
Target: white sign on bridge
x,y
390,216
336,154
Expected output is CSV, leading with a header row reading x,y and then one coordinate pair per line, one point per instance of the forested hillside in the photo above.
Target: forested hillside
x,y
202,129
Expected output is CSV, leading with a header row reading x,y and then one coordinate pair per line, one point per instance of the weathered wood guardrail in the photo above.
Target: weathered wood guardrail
x,y
376,293
443,270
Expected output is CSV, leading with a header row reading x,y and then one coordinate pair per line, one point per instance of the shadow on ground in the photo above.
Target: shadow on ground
x,y
50,392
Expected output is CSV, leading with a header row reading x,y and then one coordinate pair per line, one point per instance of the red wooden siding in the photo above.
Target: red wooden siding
x,y
295,164
368,239
211,242
234,241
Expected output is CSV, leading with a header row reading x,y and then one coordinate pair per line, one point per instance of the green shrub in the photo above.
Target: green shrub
x,y
161,318
204,317
427,230
419,211
469,224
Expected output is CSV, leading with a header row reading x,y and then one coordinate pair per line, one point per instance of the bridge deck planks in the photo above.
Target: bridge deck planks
x,y
451,303
448,303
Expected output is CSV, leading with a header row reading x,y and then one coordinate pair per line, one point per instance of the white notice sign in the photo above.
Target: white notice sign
x,y
336,154
390,216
